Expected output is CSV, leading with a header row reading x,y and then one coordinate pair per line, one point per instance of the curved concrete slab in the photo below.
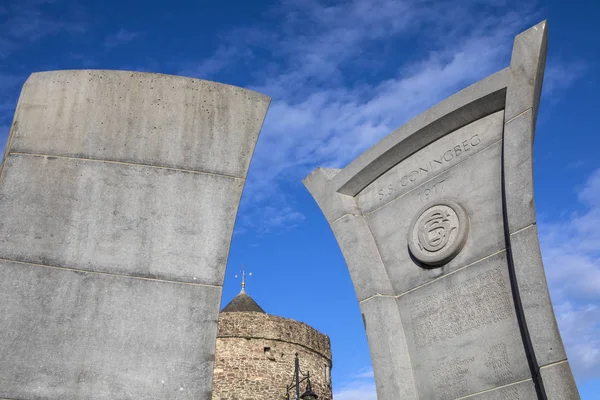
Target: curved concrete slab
x,y
480,324
118,192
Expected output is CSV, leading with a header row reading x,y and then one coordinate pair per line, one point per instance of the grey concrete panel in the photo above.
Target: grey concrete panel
x,y
119,193
333,205
395,182
432,160
115,218
470,104
475,185
69,335
362,257
533,291
559,382
526,72
462,332
518,391
140,118
389,353
518,172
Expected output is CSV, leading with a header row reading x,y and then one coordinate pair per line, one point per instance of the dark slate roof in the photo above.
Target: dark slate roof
x,y
242,303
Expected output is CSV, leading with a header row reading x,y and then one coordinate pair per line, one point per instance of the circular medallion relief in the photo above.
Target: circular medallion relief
x,y
438,232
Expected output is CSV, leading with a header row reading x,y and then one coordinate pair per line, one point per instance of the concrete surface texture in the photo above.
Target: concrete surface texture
x,y
437,226
118,192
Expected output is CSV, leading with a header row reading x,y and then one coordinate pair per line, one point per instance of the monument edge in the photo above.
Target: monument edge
x,y
169,76
239,99
470,104
357,244
543,345
518,89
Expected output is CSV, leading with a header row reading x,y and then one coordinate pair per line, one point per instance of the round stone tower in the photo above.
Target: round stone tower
x,y
254,358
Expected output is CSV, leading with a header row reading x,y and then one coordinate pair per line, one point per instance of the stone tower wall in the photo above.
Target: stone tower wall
x,y
254,358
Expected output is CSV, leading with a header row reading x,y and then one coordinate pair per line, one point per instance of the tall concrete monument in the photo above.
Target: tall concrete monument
x,y
118,196
437,225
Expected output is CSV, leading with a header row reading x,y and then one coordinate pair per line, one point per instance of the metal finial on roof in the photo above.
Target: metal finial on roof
x,y
243,275
242,302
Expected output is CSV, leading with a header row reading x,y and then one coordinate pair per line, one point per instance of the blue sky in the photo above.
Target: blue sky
x,y
342,75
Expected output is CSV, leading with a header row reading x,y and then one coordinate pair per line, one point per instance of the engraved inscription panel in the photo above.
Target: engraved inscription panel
x,y
451,377
479,301
497,361
432,160
462,332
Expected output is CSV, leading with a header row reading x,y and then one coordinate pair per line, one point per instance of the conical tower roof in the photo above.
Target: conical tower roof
x,y
243,303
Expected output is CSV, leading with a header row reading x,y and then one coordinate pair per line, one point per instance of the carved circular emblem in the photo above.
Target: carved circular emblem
x,y
438,232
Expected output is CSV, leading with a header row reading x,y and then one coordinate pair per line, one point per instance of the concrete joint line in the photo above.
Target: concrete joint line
x,y
376,295
523,229
374,237
451,273
521,314
191,171
108,274
2,176
554,363
434,177
496,388
518,115
345,215
396,296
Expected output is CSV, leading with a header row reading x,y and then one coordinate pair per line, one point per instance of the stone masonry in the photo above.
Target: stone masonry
x,y
255,353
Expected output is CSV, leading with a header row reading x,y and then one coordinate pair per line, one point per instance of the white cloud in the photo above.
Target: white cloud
x,y
318,67
119,38
359,391
580,329
571,252
561,75
339,84
366,373
361,387
277,218
27,22
224,57
324,111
